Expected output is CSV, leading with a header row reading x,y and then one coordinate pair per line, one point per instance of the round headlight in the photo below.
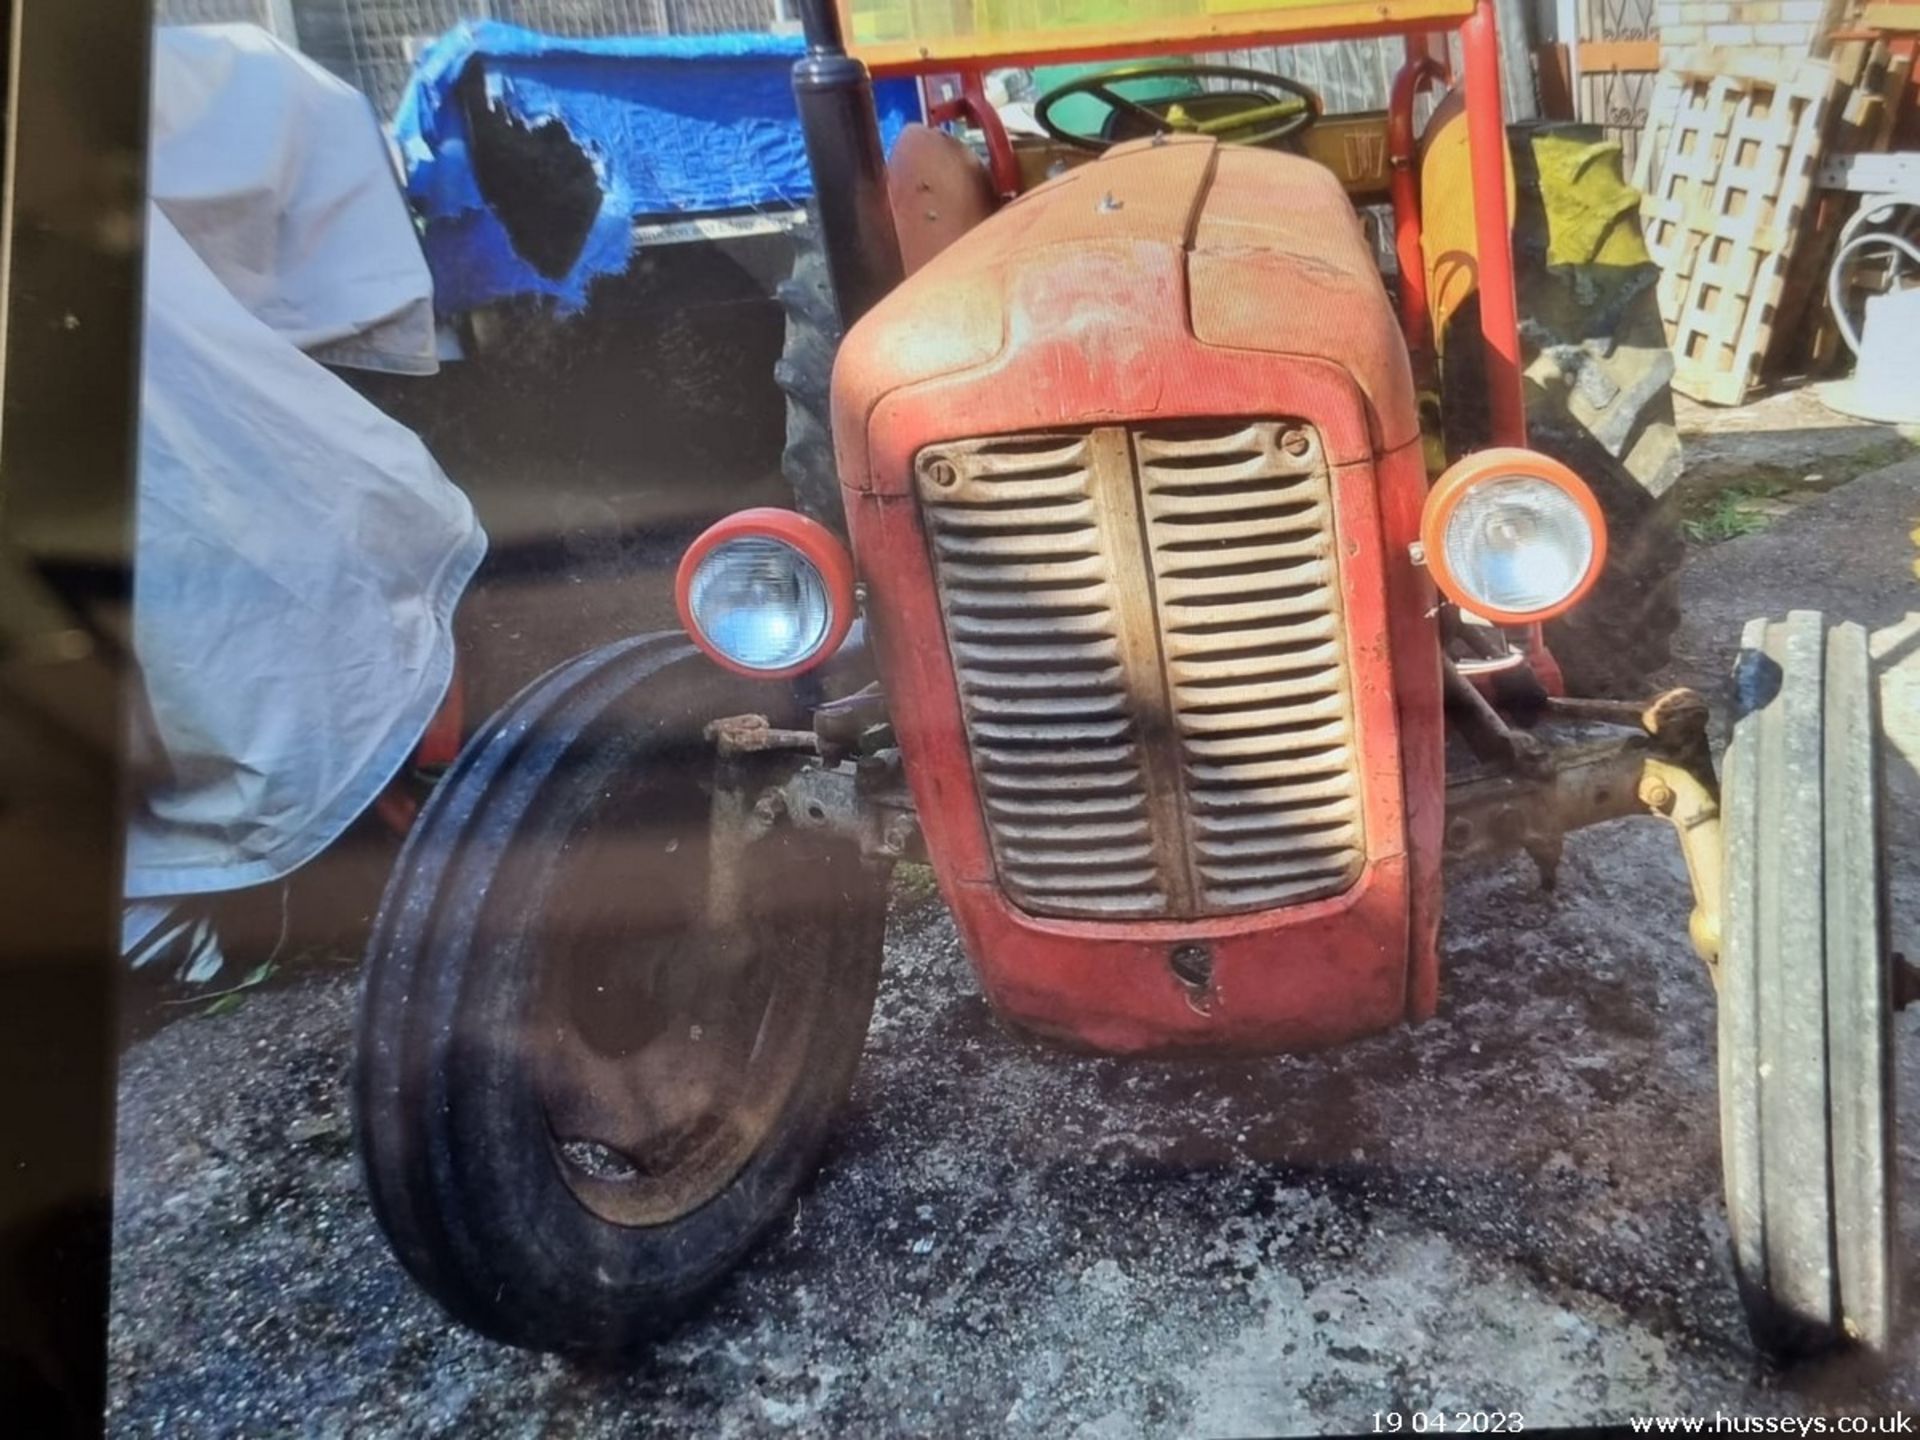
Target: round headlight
x,y
761,602
1513,536
766,592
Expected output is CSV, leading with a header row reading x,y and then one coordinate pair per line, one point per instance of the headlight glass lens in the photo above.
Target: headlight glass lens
x,y
760,602
1518,544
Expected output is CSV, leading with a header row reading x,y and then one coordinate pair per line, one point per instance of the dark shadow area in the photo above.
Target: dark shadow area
x,y
595,446
535,177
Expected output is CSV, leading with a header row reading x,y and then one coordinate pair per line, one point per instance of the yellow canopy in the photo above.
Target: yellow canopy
x,y
932,34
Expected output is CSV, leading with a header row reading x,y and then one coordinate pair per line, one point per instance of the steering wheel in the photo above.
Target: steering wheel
x,y
1251,114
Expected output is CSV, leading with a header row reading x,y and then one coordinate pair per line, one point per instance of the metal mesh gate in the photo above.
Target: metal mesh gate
x,y
372,44
273,15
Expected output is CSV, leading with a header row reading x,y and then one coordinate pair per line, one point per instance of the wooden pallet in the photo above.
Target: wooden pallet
x,y
1869,77
1655,130
1725,212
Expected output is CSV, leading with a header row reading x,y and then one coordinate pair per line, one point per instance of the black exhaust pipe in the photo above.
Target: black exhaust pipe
x,y
842,130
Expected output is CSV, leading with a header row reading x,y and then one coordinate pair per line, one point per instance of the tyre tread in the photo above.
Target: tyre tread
x,y
1804,1033
423,1090
805,373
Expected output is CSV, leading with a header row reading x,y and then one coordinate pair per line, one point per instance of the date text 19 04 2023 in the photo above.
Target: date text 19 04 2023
x,y
1448,1422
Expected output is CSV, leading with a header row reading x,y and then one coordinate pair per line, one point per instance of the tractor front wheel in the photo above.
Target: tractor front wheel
x,y
1805,994
585,1086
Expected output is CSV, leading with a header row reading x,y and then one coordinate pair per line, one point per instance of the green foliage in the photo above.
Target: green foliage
x,y
232,999
914,884
1733,512
1760,494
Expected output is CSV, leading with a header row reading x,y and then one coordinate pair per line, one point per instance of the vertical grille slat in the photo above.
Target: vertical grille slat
x,y
1147,636
1243,760
1029,600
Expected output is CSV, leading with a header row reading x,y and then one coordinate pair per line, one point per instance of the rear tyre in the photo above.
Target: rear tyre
x,y
1598,392
805,373
581,1097
1805,994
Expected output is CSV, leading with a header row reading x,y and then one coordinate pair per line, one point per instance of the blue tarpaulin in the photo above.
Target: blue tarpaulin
x,y
673,126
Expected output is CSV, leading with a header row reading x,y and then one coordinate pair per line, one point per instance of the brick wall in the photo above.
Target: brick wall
x,y
1787,29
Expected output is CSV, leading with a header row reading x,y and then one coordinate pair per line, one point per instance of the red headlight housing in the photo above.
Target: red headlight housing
x,y
766,593
1513,536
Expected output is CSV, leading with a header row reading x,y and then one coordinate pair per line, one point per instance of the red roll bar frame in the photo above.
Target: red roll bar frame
x,y
1403,181
972,106
1487,158
1492,226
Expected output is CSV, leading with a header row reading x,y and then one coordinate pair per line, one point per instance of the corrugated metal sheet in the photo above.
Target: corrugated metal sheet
x,y
1348,74
587,17
636,17
713,17
1355,75
372,43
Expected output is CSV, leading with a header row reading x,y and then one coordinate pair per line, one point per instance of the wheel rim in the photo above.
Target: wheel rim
x,y
665,1047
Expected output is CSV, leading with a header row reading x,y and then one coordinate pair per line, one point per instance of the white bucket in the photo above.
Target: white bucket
x,y
1885,384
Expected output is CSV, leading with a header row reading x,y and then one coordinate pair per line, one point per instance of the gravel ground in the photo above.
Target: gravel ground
x,y
1514,1207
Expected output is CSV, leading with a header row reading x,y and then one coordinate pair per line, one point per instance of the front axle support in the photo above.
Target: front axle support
x,y
1532,796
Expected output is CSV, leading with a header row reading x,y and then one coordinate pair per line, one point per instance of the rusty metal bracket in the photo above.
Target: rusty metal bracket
x,y
755,734
1499,811
764,783
765,776
864,802
1531,800
1483,727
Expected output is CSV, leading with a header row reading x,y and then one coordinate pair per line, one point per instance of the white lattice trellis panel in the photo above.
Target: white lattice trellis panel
x,y
1725,212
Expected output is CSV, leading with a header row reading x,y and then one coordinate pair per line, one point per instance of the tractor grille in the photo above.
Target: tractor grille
x,y
1145,626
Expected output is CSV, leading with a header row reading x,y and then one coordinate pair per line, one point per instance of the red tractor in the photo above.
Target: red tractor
x,y
1140,594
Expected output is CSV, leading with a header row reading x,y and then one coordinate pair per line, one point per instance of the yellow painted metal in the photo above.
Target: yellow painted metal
x,y
1446,211
1689,797
1353,147
922,34
1587,210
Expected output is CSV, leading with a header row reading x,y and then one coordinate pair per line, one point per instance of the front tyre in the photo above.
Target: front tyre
x,y
1805,994
583,1089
